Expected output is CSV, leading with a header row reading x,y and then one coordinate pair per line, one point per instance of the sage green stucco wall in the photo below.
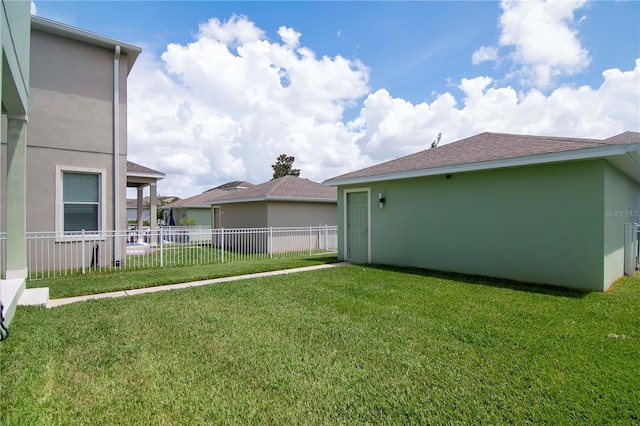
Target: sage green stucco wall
x,y
621,205
201,215
541,224
15,27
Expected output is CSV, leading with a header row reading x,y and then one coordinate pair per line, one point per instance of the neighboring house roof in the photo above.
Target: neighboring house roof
x,y
200,200
236,184
138,170
57,28
497,150
287,188
132,203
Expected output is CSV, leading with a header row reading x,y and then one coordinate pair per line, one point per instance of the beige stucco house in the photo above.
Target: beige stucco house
x,y
289,201
198,207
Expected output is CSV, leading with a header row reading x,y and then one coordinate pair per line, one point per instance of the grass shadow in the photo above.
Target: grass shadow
x,y
545,289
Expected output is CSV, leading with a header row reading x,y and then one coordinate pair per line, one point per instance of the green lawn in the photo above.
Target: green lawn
x,y
117,280
350,345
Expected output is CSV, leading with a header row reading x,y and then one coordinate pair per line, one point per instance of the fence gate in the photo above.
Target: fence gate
x,y
631,248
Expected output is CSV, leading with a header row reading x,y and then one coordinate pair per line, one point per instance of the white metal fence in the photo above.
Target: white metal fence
x,y
51,254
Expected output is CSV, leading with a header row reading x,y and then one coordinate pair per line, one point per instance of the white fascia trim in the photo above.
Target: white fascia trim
x,y
633,152
146,175
555,157
291,199
84,36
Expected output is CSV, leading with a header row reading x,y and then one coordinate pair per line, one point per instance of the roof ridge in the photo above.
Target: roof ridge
x,y
278,182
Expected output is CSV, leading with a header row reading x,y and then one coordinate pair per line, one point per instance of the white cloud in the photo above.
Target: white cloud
x,y
393,127
34,9
545,39
226,105
484,54
290,37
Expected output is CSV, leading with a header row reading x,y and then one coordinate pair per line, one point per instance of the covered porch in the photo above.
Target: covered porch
x,y
140,177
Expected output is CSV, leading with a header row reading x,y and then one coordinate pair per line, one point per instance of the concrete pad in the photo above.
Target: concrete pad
x,y
35,297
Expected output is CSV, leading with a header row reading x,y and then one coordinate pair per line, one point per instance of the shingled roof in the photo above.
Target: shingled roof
x,y
134,169
485,151
287,188
220,191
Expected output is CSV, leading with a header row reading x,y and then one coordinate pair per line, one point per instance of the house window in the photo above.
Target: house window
x,y
81,201
81,197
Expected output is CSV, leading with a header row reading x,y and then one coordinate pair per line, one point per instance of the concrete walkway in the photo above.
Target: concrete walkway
x,y
65,301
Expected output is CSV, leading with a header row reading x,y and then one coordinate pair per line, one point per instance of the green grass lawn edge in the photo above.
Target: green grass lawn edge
x,y
117,280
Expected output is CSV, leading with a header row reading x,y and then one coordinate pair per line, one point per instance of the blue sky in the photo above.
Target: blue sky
x,y
415,69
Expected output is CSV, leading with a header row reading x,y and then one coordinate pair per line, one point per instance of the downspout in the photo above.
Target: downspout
x,y
116,154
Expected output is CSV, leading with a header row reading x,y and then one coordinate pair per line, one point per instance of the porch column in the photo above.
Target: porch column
x,y
139,211
153,209
16,197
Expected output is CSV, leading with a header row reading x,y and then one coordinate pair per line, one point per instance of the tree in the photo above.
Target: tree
x,y
283,167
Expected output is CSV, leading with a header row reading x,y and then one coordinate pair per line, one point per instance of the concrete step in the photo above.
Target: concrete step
x,y
35,297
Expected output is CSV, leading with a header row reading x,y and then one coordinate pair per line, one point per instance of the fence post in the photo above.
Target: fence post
x,y
82,248
222,244
161,257
326,238
271,242
310,237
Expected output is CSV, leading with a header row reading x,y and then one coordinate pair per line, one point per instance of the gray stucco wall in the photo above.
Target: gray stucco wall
x,y
244,215
71,121
541,224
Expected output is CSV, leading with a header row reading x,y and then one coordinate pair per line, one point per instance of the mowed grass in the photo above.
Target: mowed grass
x,y
117,280
350,345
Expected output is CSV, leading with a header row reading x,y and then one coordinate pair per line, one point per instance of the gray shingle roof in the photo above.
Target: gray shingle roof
x,y
484,147
137,168
201,200
290,188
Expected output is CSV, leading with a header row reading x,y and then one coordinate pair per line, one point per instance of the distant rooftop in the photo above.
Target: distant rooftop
x,y
287,188
200,200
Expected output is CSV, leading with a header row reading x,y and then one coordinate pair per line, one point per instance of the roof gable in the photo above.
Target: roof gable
x,y
58,28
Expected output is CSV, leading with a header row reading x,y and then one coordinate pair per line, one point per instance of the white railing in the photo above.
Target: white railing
x,y
631,248
51,254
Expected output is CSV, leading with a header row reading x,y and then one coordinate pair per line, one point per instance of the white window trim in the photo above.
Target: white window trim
x,y
59,208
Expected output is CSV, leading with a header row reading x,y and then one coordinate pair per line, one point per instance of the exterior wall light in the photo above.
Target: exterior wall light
x,y
381,199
